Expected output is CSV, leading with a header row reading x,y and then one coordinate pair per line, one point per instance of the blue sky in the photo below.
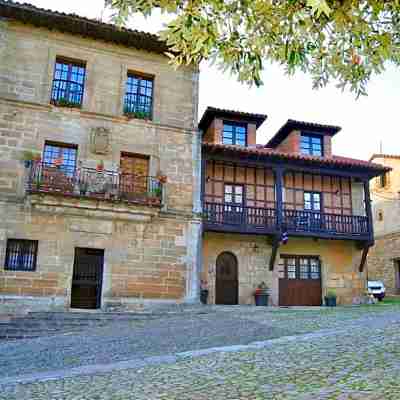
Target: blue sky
x,y
365,122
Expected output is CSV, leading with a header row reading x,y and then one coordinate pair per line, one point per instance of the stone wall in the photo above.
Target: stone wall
x,y
339,259
28,57
386,200
149,253
383,262
383,258
252,253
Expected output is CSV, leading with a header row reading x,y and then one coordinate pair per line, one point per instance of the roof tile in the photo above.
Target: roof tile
x,y
338,161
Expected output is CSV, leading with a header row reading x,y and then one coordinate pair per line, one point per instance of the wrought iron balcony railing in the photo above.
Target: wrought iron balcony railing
x,y
91,183
242,219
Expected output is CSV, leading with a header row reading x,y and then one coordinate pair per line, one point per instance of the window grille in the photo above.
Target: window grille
x,y
21,255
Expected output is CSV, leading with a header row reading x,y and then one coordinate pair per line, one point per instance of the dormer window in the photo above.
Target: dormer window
x,y
311,145
234,133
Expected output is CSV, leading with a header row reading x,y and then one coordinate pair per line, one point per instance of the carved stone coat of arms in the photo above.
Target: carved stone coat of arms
x,y
100,140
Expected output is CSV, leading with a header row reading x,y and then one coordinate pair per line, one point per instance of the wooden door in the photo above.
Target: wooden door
x,y
226,285
87,278
134,173
301,284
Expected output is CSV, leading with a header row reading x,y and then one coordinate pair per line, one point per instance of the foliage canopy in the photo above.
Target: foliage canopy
x,y
344,41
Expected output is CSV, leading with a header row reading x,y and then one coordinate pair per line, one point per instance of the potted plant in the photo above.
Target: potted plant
x,y
136,114
261,294
203,291
63,102
38,184
157,192
100,166
83,187
161,177
28,157
330,298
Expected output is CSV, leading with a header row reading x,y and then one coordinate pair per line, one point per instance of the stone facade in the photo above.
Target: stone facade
x,y
384,257
340,261
149,253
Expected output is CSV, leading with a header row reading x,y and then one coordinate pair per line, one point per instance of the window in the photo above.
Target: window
x,y
291,268
21,255
311,145
234,194
384,180
312,201
139,96
302,267
234,134
62,155
68,83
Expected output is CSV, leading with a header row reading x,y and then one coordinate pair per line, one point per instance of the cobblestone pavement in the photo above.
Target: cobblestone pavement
x,y
351,353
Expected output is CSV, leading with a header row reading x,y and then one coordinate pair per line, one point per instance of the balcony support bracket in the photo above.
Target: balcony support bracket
x,y
275,247
364,255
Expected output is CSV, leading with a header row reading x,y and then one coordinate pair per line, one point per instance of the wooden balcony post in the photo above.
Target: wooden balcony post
x,y
279,214
279,197
203,180
368,209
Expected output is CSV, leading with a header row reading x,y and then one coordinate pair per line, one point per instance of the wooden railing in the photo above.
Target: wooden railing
x,y
311,221
236,218
91,183
239,217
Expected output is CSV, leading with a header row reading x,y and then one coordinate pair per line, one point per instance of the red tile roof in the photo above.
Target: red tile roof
x,y
213,112
292,124
268,153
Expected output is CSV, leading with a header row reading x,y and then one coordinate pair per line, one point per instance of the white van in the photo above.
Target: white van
x,y
377,289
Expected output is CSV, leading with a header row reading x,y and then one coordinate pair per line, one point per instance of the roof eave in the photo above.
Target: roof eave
x,y
292,125
372,170
211,113
76,25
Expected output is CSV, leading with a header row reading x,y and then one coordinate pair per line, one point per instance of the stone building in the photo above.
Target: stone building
x,y
99,165
384,258
255,197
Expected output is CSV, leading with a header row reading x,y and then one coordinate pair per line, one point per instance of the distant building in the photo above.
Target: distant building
x,y
384,257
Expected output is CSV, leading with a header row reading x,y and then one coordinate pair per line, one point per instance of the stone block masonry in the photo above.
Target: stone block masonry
x,y
151,254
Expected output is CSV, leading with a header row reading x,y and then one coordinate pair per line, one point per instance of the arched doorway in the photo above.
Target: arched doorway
x,y
226,285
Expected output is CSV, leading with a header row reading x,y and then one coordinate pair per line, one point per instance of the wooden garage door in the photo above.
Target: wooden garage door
x,y
301,284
